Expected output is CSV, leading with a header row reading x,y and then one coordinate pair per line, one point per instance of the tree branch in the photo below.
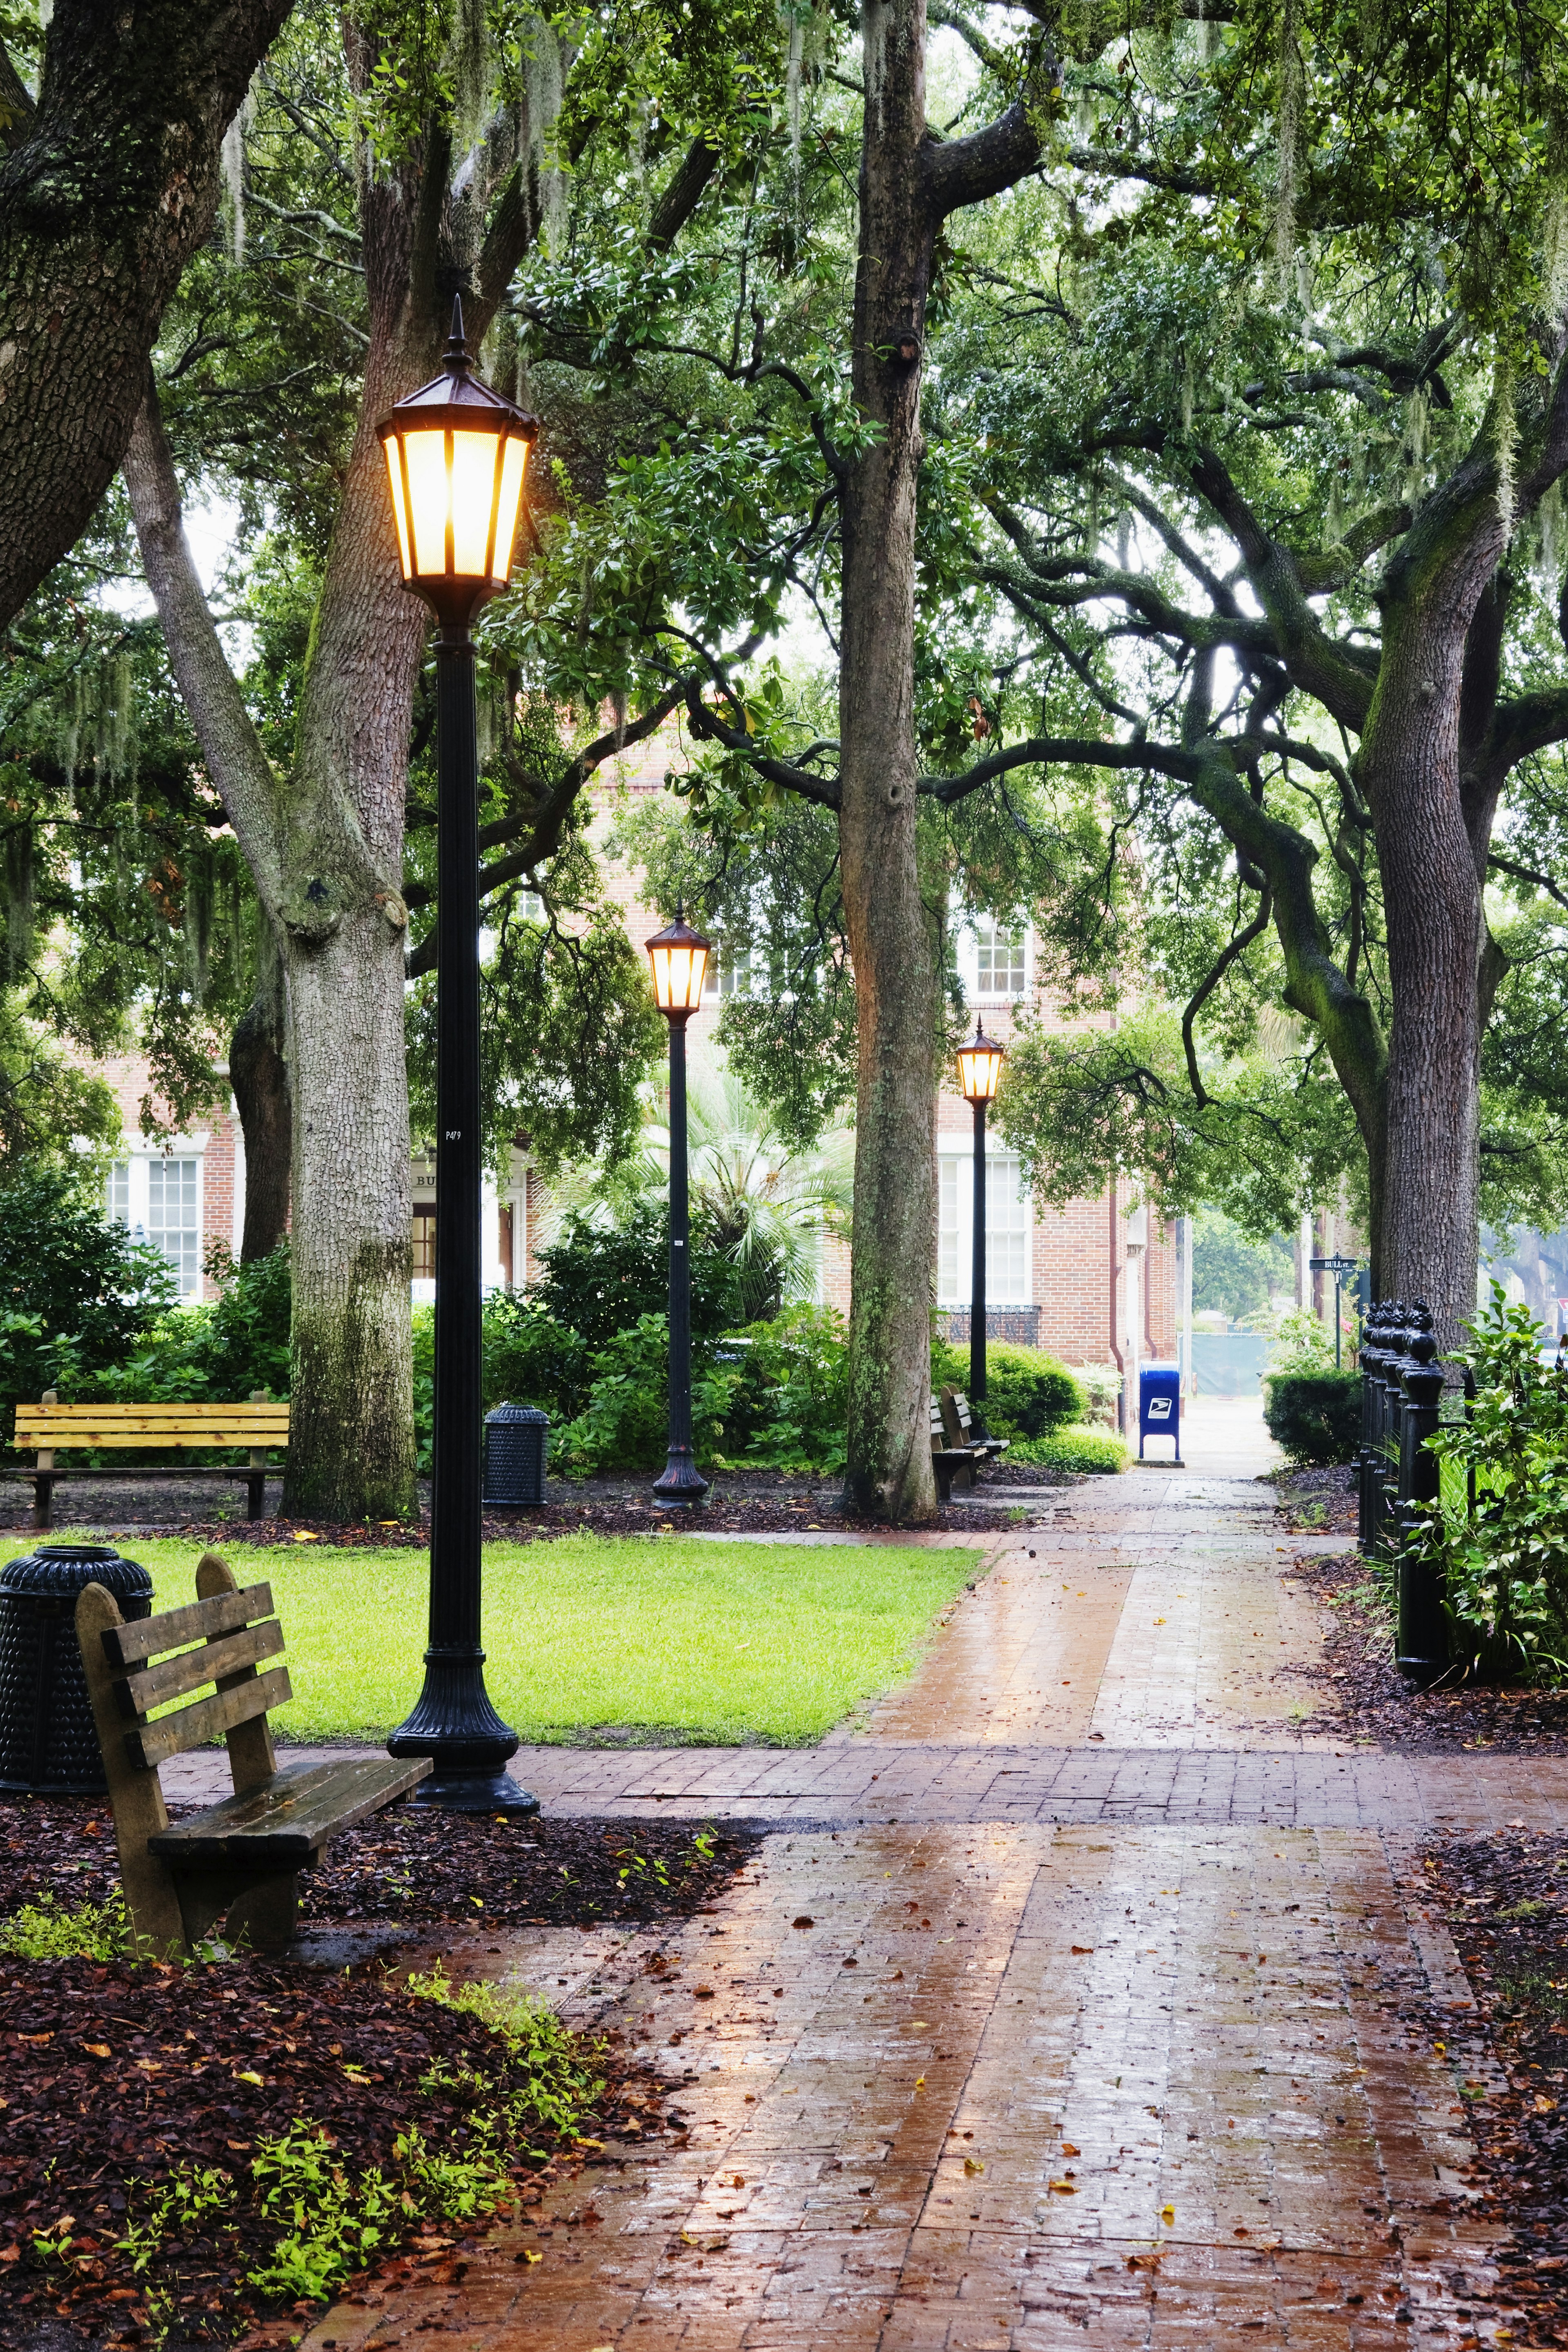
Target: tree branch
x,y
960,172
1237,946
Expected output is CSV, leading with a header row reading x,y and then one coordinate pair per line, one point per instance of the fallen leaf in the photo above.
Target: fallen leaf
x,y
528,2255
1167,2214
973,2165
1083,1949
98,2049
701,1992
804,1920
1064,2188
1068,2149
248,2077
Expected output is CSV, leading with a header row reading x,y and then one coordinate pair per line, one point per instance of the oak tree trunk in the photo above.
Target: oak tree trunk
x,y
258,1074
890,933
110,185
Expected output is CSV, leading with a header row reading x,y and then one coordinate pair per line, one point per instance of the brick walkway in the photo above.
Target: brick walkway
x,y
1062,2008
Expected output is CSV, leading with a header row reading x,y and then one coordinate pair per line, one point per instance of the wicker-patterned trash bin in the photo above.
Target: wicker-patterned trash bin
x,y
516,1441
49,1742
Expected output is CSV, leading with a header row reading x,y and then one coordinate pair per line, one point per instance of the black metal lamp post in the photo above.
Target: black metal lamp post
x,y
677,957
979,1074
456,454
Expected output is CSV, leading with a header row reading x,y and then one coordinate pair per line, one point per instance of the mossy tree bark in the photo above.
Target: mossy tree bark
x,y
111,184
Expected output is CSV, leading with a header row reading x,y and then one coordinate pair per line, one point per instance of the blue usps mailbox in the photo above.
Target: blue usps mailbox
x,y
1160,1404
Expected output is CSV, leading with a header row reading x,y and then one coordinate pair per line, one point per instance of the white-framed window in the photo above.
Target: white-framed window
x,y
157,1197
735,971
1009,1222
1000,958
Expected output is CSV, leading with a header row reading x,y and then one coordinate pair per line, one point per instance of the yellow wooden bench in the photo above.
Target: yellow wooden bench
x,y
49,1425
240,1860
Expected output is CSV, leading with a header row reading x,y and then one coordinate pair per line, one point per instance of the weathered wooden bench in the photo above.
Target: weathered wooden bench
x,y
49,1425
948,1460
958,1421
239,1861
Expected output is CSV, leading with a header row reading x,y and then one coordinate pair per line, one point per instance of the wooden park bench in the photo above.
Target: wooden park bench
x,y
948,1460
241,1858
49,1425
958,1421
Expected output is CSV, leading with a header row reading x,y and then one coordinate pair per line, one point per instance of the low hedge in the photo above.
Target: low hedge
x,y
1091,1451
1314,1417
1027,1393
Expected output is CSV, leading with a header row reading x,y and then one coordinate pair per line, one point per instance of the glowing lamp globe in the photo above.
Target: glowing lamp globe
x,y
979,1067
678,959
457,460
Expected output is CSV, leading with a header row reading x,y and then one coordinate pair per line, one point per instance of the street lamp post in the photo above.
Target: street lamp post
x,y
678,959
979,1074
456,454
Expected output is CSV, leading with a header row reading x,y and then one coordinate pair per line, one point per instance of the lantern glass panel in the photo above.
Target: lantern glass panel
x,y
513,467
425,454
399,514
473,490
678,977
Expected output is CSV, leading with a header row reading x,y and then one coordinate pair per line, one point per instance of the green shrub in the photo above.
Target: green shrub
x,y
1313,1416
789,1407
531,1357
76,1293
1091,1451
1503,1561
598,1280
1026,1392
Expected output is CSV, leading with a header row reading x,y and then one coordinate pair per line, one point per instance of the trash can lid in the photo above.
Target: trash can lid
x,y
517,1413
59,1571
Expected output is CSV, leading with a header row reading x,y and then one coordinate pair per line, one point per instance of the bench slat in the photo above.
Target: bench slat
x,y
287,1822
32,1431
156,1686
152,1743
144,1637
115,1416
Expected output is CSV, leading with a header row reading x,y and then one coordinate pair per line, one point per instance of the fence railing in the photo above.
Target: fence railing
x,y
1402,1388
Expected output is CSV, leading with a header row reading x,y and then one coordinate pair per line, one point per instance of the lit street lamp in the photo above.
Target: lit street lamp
x,y
677,957
456,454
979,1074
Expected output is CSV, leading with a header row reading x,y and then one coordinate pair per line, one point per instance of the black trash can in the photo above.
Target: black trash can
x,y
516,1441
48,1742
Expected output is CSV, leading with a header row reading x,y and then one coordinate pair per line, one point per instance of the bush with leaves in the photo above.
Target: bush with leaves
x,y
1313,1412
1077,1449
67,1276
1027,1393
1503,1558
599,1279
217,1351
789,1408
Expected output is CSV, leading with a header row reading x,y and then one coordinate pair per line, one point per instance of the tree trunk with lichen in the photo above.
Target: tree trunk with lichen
x,y
891,936
258,1072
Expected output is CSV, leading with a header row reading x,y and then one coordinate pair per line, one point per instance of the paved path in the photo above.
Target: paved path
x,y
1062,2009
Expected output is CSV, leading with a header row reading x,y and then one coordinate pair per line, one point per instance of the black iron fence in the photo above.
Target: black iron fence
x,y
1402,1388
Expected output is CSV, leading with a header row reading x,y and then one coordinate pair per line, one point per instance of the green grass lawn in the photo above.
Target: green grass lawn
x,y
703,1642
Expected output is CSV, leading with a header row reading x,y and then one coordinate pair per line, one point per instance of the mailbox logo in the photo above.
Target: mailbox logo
x,y
1159,1408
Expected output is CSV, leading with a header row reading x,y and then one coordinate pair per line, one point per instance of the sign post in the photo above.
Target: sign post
x,y
1339,1267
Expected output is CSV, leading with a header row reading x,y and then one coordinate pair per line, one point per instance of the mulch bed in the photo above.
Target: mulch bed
x,y
136,2072
1319,1502
744,1502
116,2077
417,1869
1361,1696
1505,1901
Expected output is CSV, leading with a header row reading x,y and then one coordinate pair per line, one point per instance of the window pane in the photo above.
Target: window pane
x,y
424,1245
1009,1224
1000,960
952,1254
118,1193
172,1218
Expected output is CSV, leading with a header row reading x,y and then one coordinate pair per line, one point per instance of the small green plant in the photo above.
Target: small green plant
x,y
332,2222
43,1931
1503,1559
177,2207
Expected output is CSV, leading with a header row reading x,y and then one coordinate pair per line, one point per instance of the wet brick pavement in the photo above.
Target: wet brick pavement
x,y
1063,2008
